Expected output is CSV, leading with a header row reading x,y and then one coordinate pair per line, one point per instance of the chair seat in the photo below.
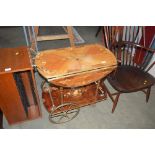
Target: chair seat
x,y
129,79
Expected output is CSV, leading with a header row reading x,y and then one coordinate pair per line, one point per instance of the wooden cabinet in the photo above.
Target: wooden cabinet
x,y
19,100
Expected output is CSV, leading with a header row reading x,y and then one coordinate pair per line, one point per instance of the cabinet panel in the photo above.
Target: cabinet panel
x,y
10,102
18,94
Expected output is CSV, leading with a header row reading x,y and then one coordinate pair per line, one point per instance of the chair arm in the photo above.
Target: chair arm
x,y
150,66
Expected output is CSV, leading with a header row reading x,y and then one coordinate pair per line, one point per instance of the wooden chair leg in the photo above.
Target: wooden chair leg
x,y
115,101
148,94
1,119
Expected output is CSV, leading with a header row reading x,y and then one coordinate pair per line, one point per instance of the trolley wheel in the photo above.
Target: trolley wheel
x,y
64,113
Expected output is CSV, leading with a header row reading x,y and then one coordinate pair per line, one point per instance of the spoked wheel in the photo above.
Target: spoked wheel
x,y
64,113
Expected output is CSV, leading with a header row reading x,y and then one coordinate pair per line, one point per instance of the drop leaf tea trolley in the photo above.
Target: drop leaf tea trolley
x,y
73,78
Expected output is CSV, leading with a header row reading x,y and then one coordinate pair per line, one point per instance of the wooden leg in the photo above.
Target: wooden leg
x,y
148,94
71,36
112,98
1,119
36,30
115,103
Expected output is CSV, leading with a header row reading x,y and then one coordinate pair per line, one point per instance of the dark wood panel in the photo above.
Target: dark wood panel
x,y
10,102
27,86
129,79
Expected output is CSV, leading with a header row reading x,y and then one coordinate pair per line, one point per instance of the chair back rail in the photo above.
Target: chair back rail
x,y
125,53
112,34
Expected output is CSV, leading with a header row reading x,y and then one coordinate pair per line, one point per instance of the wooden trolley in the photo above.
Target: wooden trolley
x,y
73,78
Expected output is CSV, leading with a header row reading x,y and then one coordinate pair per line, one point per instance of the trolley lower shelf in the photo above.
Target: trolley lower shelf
x,y
62,102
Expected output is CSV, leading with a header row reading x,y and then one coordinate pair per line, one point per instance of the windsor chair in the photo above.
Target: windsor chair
x,y
131,74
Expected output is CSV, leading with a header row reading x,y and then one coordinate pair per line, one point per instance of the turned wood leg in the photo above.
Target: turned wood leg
x,y
112,98
148,94
1,119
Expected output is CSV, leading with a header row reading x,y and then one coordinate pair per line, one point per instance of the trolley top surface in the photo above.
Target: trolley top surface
x,y
74,61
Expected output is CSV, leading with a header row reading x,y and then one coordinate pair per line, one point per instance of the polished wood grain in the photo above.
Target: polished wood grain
x,y
36,92
14,60
131,76
81,96
10,102
133,61
130,79
78,66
